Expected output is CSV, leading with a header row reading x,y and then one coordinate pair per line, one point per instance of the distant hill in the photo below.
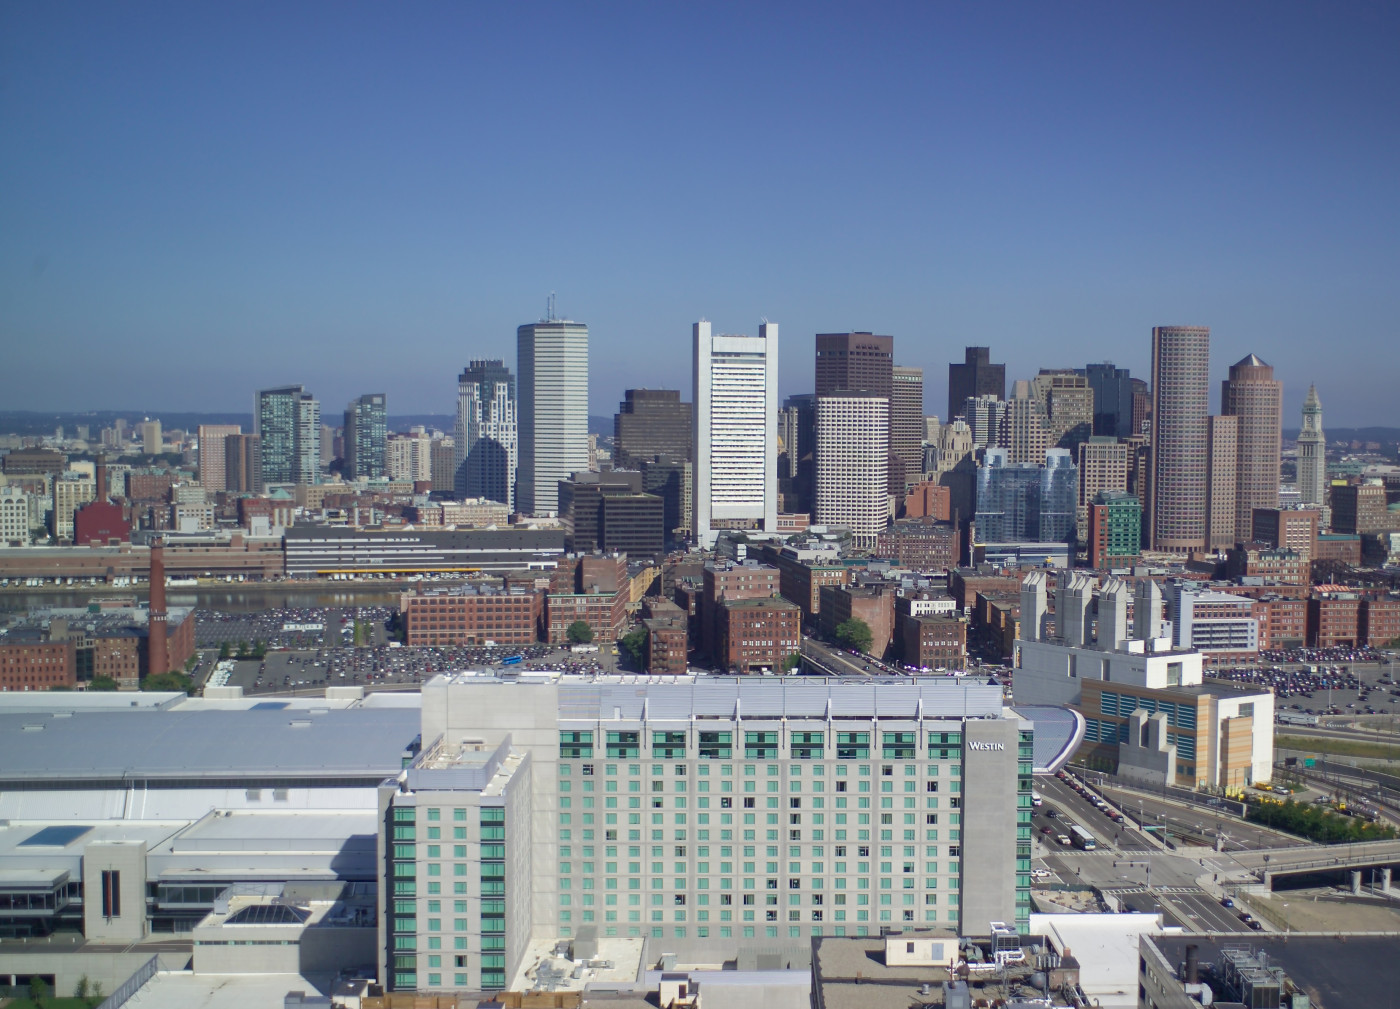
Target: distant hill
x,y
1384,435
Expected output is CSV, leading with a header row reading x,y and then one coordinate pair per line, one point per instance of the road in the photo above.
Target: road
x,y
1202,824
1068,804
836,661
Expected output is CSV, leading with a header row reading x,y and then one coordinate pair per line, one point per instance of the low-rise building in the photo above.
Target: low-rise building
x,y
1334,620
1381,621
36,664
112,643
668,643
1344,548
757,635
1223,627
1283,622
802,571
873,604
472,615
923,544
932,641
1267,563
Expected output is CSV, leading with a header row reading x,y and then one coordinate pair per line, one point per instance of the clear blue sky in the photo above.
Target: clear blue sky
x,y
200,199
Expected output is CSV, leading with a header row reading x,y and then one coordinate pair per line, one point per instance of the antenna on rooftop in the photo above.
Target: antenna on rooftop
x,y
549,308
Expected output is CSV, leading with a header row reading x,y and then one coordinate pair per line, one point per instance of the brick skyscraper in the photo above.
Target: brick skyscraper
x,y
1180,401
1252,395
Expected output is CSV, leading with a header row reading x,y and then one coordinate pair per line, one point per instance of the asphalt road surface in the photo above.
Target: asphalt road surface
x,y
1069,805
1203,822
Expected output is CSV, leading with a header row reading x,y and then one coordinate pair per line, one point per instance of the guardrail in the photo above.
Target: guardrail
x,y
131,985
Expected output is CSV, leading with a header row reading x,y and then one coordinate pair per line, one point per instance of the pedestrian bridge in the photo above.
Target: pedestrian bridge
x,y
1269,865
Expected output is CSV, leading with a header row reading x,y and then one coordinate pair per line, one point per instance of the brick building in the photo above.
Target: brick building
x,y
1344,548
472,615
1260,560
667,641
1381,621
724,581
872,604
1334,620
1289,528
36,664
594,588
1361,508
1283,622
924,544
1114,530
101,523
929,500
113,643
933,641
802,573
757,634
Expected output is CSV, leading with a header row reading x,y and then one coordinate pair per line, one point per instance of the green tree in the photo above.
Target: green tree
x,y
97,993
854,634
259,649
579,633
634,643
38,990
224,651
102,683
83,988
792,661
242,650
167,681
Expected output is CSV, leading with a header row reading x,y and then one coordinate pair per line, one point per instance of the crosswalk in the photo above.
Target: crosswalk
x,y
1124,891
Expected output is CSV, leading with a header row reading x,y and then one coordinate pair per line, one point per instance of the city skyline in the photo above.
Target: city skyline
x,y
1021,211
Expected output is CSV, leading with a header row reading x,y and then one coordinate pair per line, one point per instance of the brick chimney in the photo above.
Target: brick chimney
x,y
158,649
101,477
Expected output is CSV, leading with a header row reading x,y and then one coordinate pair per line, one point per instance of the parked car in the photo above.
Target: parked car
x,y
1227,902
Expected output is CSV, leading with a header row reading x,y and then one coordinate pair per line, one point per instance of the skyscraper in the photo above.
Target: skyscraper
x,y
1222,490
854,362
1113,399
288,419
1312,453
976,376
1252,395
242,466
486,441
851,464
984,415
211,454
906,427
736,431
366,428
1180,402
648,423
1025,502
552,356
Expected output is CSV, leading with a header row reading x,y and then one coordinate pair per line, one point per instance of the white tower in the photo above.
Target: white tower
x,y
852,464
552,357
735,431
1312,453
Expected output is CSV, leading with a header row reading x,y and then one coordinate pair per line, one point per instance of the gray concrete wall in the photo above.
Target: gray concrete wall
x,y
129,859
989,835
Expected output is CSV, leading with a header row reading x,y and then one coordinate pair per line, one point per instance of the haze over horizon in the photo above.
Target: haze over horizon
x,y
202,201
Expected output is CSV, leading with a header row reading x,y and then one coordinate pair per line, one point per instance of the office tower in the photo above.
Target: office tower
x,y
736,431
985,416
1113,399
288,419
443,456
1255,399
672,480
151,437
580,504
1356,508
365,434
1312,453
854,362
798,430
648,423
1025,430
1222,492
1103,466
211,454
852,460
242,463
1142,409
1068,402
487,438
552,356
1176,509
906,427
1115,530
976,376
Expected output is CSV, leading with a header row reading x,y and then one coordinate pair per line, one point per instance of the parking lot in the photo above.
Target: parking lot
x,y
1361,686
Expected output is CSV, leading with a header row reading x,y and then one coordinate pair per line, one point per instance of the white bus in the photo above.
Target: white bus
x,y
1082,839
